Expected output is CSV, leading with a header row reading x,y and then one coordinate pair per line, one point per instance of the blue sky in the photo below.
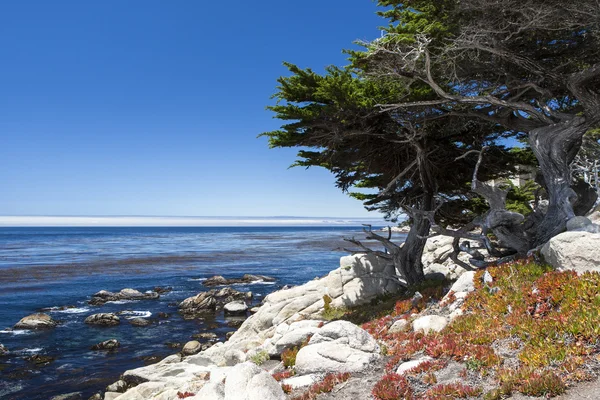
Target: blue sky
x,y
153,107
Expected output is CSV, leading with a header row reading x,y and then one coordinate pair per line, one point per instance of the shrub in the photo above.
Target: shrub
x,y
260,358
392,387
289,357
325,386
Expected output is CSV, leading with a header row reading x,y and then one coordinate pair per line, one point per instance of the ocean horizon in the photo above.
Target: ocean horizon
x,y
180,221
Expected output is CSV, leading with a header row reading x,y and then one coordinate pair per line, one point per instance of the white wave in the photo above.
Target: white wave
x,y
137,314
31,351
254,283
196,279
16,331
121,301
76,310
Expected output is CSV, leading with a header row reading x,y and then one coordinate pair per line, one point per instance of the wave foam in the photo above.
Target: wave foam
x,y
137,314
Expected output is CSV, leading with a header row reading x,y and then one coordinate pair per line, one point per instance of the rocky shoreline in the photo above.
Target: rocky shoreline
x,y
296,322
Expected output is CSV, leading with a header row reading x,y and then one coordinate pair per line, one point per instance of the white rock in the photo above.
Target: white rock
x,y
578,251
234,356
465,283
399,326
36,321
191,347
119,386
235,307
430,323
487,277
337,347
247,381
302,381
411,364
210,391
111,395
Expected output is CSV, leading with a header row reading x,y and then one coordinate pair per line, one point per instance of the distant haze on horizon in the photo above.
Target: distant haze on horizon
x,y
161,221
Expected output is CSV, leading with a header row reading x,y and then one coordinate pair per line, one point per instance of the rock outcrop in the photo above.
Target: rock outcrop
x,y
339,346
104,296
246,279
111,344
575,250
103,319
36,321
211,301
286,319
3,350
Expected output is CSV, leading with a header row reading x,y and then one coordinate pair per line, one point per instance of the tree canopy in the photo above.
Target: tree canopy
x,y
422,117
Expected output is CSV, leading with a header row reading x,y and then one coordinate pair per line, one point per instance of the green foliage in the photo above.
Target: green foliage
x,y
520,197
288,357
330,313
260,358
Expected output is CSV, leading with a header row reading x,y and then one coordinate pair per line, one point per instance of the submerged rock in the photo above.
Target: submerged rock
x,y
40,360
218,280
105,319
36,321
3,350
105,296
111,344
138,321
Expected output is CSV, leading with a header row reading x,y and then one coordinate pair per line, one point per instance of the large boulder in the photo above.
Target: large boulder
x,y
36,321
360,279
105,296
103,319
247,381
339,346
576,250
201,303
291,335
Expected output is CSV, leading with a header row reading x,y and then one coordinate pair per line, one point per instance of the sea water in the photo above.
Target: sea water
x,y
56,267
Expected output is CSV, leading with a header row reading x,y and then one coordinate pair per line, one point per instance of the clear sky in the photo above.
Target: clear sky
x,y
145,107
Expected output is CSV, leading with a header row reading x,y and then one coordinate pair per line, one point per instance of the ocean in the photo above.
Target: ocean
x,y
60,266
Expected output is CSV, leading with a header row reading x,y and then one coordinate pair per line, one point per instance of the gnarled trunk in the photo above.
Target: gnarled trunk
x,y
555,147
407,259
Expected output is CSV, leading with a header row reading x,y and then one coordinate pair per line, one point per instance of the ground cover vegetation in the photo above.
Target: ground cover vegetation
x,y
453,95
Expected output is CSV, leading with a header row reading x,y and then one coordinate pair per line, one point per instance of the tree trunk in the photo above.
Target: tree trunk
x,y
407,259
555,147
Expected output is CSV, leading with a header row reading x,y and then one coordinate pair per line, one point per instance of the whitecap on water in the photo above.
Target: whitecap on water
x,y
76,310
136,314
16,331
196,279
30,351
121,301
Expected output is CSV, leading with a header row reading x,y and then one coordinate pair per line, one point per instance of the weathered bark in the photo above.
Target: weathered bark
x,y
555,148
408,258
